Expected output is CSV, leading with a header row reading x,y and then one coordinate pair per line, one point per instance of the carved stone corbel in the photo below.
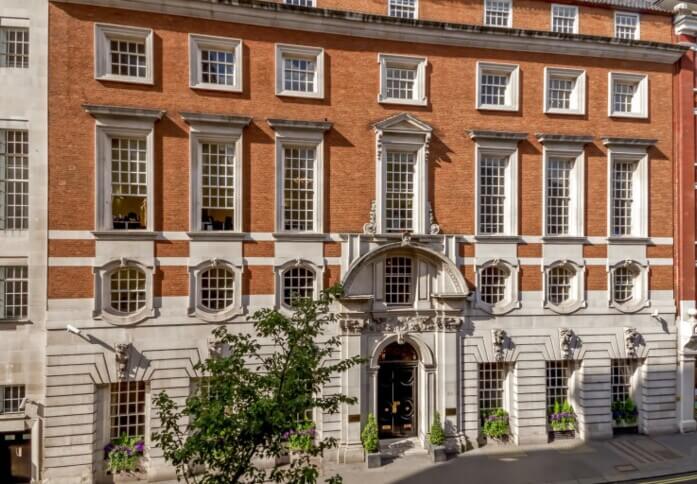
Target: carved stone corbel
x,y
122,355
632,341
215,349
434,228
352,326
498,339
566,342
406,238
372,226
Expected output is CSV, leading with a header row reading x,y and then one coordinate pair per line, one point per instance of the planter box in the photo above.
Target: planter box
x,y
438,453
129,478
561,435
373,460
625,429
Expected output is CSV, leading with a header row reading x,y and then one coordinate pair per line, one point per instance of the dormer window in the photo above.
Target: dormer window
x,y
398,280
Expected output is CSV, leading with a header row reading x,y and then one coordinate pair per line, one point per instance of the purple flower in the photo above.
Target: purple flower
x,y
140,447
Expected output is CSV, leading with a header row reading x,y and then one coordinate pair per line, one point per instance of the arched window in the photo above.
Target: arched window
x,y
395,352
128,293
628,286
217,289
298,284
559,280
492,285
398,280
623,284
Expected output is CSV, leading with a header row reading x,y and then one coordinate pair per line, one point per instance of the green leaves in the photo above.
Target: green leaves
x,y
369,435
252,395
496,424
437,435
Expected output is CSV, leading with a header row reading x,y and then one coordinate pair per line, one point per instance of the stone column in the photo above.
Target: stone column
x,y
528,406
353,384
594,410
686,389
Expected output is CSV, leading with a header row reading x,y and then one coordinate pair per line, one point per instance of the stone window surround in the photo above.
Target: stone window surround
x,y
512,88
102,292
642,81
198,42
504,144
120,121
512,299
640,300
400,132
307,133
577,299
280,270
103,33
578,95
218,129
196,309
418,63
566,146
301,51
630,149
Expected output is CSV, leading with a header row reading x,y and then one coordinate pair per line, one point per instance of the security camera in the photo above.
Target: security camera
x,y
655,313
23,404
72,329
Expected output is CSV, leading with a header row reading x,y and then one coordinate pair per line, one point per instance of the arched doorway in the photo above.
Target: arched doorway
x,y
397,391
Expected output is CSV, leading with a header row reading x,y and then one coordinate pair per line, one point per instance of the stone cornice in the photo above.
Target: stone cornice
x,y
636,142
277,15
563,138
216,119
477,134
302,125
101,111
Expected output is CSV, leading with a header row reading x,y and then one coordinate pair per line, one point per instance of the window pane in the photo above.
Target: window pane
x,y
402,8
298,283
217,289
626,26
298,189
129,184
621,379
398,273
493,88
14,47
563,19
12,396
558,195
622,196
14,179
218,67
128,290
14,286
217,186
558,373
559,284
623,284
559,92
400,82
623,94
492,194
497,13
299,74
127,58
399,191
302,3
492,285
491,378
127,409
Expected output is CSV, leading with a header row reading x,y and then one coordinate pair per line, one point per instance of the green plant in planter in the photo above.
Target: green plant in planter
x,y
496,424
123,453
302,438
369,436
624,412
562,417
437,435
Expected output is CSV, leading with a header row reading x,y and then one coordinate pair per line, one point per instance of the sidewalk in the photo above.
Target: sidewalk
x,y
620,459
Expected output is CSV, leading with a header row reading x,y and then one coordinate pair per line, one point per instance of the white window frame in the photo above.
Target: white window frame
x,y
313,3
510,14
640,191
404,132
16,23
637,32
102,292
196,308
307,134
506,370
640,291
417,63
4,191
280,270
103,34
416,10
199,42
23,393
121,122
14,262
511,299
578,94
218,129
642,91
572,151
512,88
559,5
577,289
301,51
146,407
504,148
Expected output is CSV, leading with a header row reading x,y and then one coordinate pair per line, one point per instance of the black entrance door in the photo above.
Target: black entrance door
x,y
15,458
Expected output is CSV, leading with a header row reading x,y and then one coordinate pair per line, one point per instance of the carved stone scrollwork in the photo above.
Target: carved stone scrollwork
x,y
632,341
406,238
449,323
434,228
372,226
215,349
122,355
352,326
498,339
566,342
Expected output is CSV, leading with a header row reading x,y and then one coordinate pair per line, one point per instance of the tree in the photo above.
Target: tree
x,y
252,399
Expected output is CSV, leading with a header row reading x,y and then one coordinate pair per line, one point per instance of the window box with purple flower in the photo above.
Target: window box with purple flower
x,y
123,456
562,420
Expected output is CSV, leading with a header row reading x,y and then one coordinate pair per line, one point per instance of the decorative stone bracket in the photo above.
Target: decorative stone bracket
x,y
401,325
122,351
632,341
215,348
498,339
568,341
372,226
